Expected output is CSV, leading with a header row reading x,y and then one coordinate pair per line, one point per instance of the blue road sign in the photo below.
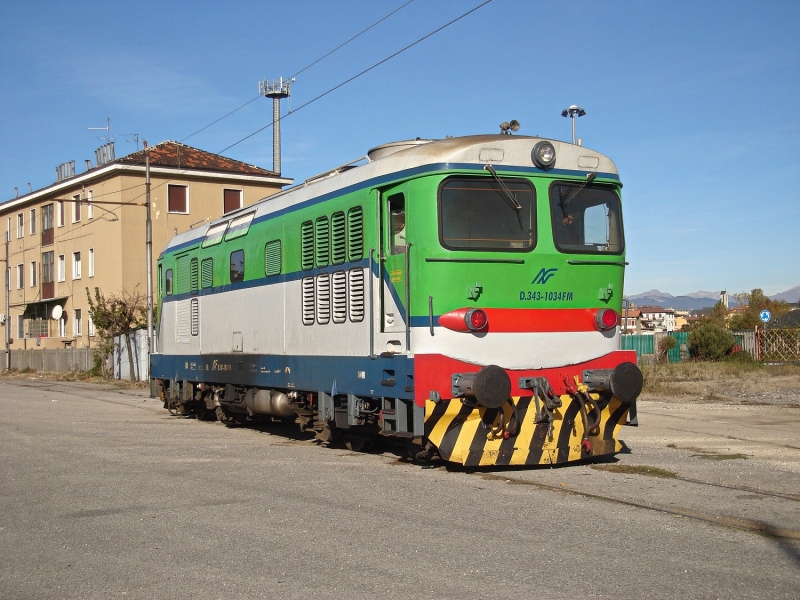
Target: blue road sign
x,y
765,316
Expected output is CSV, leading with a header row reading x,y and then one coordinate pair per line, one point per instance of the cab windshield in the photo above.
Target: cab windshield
x,y
487,214
586,219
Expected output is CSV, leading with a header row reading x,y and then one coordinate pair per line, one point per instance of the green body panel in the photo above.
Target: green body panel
x,y
506,285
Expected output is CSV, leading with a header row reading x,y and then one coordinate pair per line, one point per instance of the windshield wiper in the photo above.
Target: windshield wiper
x,y
563,201
507,194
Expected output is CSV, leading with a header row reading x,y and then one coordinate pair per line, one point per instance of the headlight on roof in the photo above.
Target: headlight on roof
x,y
544,155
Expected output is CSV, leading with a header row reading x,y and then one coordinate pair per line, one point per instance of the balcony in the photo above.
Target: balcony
x,y
48,237
38,328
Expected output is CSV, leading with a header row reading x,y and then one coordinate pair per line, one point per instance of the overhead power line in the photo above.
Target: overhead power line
x,y
356,76
308,66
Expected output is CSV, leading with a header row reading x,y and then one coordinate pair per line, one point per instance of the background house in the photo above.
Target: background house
x,y
63,239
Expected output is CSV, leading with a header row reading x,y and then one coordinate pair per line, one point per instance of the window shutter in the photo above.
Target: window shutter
x,y
323,298
308,300
194,275
232,200
177,198
356,296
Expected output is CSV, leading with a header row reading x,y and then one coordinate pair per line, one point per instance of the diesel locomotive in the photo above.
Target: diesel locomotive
x,y
462,296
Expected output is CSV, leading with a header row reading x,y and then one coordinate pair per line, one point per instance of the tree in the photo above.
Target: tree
x,y
719,314
666,344
710,342
117,315
756,301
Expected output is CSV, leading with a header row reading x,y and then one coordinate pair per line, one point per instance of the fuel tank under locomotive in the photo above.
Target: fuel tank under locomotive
x,y
256,401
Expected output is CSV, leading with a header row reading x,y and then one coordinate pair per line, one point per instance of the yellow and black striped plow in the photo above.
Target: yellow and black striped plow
x,y
471,435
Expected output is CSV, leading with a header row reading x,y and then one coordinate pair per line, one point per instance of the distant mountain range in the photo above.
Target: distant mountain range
x,y
699,300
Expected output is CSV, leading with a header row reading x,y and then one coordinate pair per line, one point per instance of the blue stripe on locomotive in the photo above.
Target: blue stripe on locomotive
x,y
307,373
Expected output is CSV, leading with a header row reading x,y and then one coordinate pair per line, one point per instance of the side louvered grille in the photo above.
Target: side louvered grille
x,y
207,273
355,234
356,296
194,276
308,300
272,258
338,239
182,285
339,297
321,242
323,298
307,245
195,318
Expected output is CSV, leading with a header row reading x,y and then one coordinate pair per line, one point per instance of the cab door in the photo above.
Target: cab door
x,y
393,256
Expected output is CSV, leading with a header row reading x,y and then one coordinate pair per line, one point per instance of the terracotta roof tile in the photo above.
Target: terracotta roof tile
x,y
175,154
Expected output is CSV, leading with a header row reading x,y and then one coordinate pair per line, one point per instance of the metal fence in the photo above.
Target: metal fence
x,y
773,345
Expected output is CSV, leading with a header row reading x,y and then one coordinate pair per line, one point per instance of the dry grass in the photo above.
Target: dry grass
x,y
715,381
83,376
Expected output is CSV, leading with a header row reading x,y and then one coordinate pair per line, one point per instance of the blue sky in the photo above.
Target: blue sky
x,y
696,102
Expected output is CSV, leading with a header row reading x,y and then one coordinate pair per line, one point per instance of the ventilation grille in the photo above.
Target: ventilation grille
x,y
183,329
323,298
272,258
307,245
321,247
182,285
356,277
339,297
355,233
308,300
194,275
195,316
338,241
207,273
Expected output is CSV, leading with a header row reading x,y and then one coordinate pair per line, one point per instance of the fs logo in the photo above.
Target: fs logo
x,y
544,275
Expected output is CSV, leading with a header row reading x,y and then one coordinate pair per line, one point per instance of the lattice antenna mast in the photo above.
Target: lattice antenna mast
x,y
108,137
276,89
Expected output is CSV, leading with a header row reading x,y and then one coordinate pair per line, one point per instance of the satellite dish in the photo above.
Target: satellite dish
x,y
57,312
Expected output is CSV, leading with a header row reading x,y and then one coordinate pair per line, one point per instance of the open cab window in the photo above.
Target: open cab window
x,y
586,219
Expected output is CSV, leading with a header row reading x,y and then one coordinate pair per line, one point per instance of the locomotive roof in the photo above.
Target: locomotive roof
x,y
392,161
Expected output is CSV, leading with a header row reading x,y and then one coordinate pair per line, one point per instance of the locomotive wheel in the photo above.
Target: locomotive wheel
x,y
203,414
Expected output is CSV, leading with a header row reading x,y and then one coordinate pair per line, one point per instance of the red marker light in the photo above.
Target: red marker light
x,y
476,319
607,318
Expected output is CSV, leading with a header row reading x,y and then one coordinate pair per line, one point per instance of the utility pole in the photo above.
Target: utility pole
x,y
8,316
149,254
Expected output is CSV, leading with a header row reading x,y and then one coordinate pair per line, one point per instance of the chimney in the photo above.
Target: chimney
x,y
88,164
144,144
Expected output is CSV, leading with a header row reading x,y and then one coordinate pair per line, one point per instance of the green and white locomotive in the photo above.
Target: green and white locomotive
x,y
460,295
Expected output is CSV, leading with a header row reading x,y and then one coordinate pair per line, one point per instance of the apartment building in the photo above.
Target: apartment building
x,y
88,230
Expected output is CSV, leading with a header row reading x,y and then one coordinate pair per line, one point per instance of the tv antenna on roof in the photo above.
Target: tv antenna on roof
x,y
108,137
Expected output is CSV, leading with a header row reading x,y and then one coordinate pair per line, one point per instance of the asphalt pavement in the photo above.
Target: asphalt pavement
x,y
103,494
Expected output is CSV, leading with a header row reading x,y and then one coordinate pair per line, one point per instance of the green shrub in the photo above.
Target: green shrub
x,y
740,357
710,342
666,344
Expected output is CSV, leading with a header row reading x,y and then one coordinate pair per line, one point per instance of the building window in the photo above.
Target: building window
x,y
89,205
47,267
33,221
76,215
62,325
91,262
90,323
20,225
20,276
76,265
34,272
76,324
62,268
20,327
60,213
231,200
178,199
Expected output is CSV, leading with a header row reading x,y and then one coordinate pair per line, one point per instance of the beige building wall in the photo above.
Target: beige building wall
x,y
110,240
